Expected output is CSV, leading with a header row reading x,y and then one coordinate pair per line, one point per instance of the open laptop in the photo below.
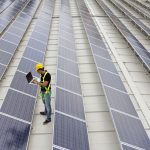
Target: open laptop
x,y
29,77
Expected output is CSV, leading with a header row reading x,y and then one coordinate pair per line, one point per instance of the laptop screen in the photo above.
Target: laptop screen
x,y
29,77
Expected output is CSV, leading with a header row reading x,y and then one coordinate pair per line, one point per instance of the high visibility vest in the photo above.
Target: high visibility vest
x,y
43,80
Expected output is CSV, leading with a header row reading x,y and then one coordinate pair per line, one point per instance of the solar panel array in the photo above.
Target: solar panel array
x,y
11,39
10,13
135,20
139,10
128,126
18,106
138,48
70,130
4,4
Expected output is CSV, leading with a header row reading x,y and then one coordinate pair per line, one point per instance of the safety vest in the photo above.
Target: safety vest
x,y
43,80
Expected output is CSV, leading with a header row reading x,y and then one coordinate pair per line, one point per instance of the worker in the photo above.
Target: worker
x,y
45,84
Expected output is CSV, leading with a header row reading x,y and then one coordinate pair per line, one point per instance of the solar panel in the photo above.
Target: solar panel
x,y
73,133
43,24
68,82
25,16
111,80
66,43
125,147
100,51
142,52
27,65
39,36
66,29
12,38
66,35
64,52
17,31
69,103
130,131
41,30
3,22
5,57
96,41
37,45
7,46
33,54
120,101
20,83
68,66
90,27
105,64
19,25
14,134
24,103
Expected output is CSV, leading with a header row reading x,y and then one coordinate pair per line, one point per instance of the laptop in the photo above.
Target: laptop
x,y
29,77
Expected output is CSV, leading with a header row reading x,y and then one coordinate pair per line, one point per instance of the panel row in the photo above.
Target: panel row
x,y
124,115
69,121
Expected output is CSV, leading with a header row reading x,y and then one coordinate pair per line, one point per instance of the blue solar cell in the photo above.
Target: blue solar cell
x,y
96,41
39,36
68,66
131,131
111,80
22,20
18,105
20,83
14,134
34,54
7,46
64,52
20,25
43,24
17,31
41,30
97,50
68,82
3,22
90,27
125,147
105,64
11,38
93,34
1,28
142,52
69,103
146,62
70,133
2,70
37,45
120,101
27,65
67,43
5,57
66,35
66,29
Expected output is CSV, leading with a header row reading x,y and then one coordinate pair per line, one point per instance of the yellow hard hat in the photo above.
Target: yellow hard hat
x,y
39,66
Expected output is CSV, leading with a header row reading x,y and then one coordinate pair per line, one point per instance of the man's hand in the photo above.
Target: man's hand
x,y
35,82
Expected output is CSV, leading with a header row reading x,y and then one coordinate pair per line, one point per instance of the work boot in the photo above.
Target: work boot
x,y
47,121
42,113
